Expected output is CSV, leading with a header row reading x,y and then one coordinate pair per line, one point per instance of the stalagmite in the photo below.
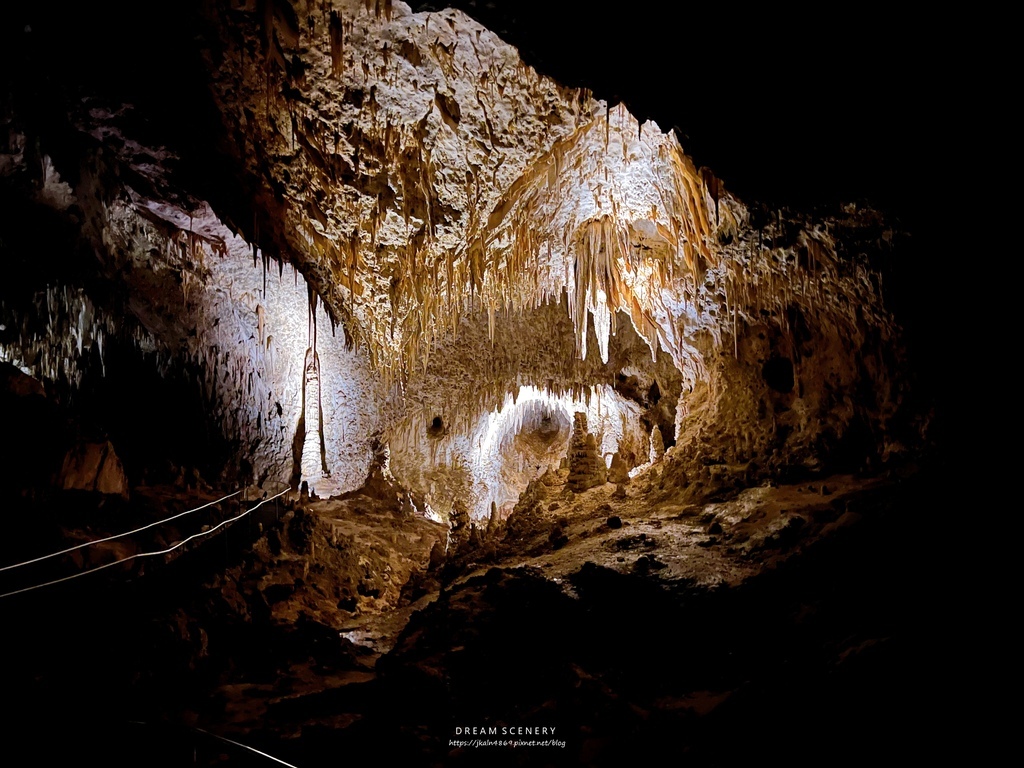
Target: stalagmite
x,y
312,466
657,444
586,468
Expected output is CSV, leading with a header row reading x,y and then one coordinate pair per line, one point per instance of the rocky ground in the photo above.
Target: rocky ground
x,y
795,621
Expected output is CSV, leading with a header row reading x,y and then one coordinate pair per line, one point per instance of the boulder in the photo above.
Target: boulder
x,y
94,467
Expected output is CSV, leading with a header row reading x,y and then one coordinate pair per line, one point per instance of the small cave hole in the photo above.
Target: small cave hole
x,y
778,374
436,428
548,428
629,387
654,394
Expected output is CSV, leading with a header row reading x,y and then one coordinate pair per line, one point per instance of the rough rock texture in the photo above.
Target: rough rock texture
x,y
329,560
493,391
413,275
618,471
94,467
657,444
195,301
371,131
381,141
586,467
459,228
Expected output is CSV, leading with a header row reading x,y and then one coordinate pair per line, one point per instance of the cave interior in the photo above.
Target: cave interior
x,y
504,383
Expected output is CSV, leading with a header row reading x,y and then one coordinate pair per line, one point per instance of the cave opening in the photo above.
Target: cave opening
x,y
436,428
778,374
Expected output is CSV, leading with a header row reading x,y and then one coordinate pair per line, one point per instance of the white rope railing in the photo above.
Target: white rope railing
x,y
227,740
246,746
115,536
138,555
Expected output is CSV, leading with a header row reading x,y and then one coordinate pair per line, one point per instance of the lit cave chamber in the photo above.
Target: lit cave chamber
x,y
376,385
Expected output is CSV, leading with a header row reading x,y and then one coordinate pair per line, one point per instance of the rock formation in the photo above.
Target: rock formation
x,y
94,467
363,260
618,472
586,467
657,444
446,214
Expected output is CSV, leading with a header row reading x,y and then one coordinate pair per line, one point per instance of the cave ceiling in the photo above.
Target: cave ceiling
x,y
415,168
417,171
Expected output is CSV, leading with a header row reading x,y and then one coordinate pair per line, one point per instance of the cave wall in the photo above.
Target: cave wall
x,y
481,383
180,294
460,228
505,449
192,296
808,376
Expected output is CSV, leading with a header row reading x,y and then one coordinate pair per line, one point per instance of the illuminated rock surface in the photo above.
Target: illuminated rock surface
x,y
548,426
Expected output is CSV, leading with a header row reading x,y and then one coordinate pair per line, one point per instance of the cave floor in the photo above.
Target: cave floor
x,y
684,552
639,628
713,544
